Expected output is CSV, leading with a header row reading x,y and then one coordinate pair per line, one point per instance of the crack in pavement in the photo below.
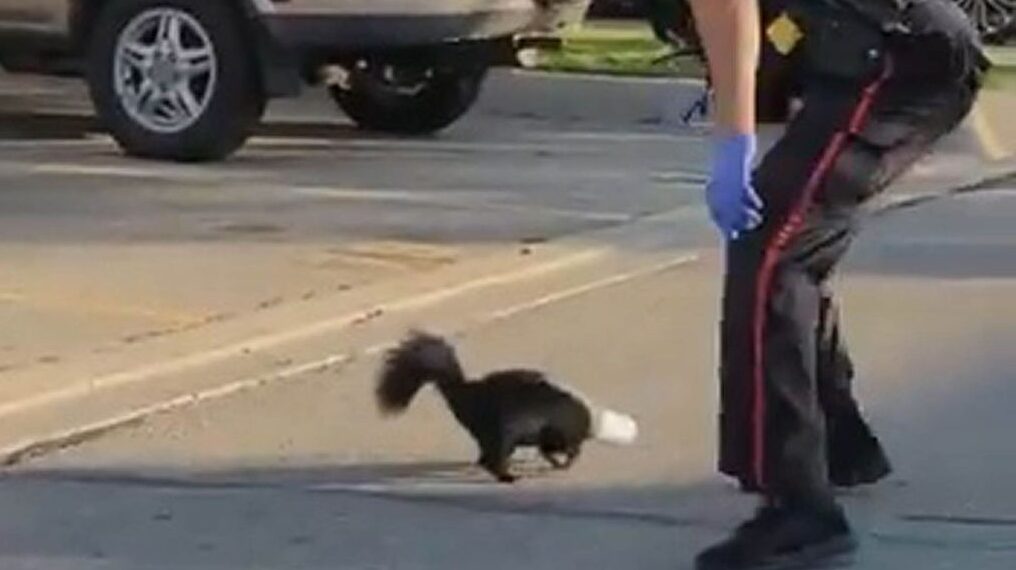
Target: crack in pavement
x,y
1005,522
906,202
897,539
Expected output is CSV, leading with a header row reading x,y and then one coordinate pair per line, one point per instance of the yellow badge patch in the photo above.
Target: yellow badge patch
x,y
784,34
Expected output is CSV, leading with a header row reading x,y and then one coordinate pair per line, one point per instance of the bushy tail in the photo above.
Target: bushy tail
x,y
419,359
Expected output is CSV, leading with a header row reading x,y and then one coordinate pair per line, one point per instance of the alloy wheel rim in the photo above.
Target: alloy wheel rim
x,y
165,70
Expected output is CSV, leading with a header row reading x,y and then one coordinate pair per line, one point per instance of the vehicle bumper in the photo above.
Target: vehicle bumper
x,y
362,25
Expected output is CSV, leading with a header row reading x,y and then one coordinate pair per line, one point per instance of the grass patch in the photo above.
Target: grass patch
x,y
631,49
1001,80
624,49
1003,75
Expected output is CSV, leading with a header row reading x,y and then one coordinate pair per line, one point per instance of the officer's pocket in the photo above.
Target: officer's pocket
x,y
933,57
885,134
869,161
942,45
842,45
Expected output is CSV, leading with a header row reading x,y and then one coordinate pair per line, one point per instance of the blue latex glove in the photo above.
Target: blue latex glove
x,y
733,203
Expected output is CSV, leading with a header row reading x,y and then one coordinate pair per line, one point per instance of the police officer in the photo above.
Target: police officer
x,y
882,81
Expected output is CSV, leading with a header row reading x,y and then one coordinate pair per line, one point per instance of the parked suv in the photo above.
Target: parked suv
x,y
189,79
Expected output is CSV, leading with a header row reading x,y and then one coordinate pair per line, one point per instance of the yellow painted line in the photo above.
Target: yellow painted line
x,y
16,452
617,136
452,146
991,143
92,306
466,199
28,91
185,174
581,290
388,195
23,144
268,341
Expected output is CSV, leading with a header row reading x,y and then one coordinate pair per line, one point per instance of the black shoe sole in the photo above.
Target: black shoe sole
x,y
835,553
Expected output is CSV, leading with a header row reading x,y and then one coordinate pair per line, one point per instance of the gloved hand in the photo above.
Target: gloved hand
x,y
733,203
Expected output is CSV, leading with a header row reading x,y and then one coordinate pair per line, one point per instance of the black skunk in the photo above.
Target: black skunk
x,y
503,411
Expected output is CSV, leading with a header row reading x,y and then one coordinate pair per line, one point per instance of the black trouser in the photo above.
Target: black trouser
x,y
785,371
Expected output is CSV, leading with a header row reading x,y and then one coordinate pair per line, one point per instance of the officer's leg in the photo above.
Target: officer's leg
x,y
844,146
773,422
937,76
743,259
775,387
835,367
795,450
904,123
772,426
855,455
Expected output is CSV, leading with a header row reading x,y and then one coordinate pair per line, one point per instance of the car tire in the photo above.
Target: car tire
x,y
174,79
995,20
430,100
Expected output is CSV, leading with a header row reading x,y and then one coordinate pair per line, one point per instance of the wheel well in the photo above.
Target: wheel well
x,y
84,14
275,75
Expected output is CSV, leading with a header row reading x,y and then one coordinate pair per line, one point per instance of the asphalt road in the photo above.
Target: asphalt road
x,y
98,249
188,351
303,474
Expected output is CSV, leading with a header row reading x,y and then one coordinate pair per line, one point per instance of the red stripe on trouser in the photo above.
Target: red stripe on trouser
x,y
772,255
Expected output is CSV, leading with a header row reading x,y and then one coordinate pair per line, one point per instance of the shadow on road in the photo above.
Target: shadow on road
x,y
948,507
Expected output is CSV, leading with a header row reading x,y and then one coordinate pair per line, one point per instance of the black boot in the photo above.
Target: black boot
x,y
856,457
784,538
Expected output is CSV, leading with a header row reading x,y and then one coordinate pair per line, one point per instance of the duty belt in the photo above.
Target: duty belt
x,y
850,38
836,38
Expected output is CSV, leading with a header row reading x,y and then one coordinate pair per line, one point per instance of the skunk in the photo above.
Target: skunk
x,y
503,411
